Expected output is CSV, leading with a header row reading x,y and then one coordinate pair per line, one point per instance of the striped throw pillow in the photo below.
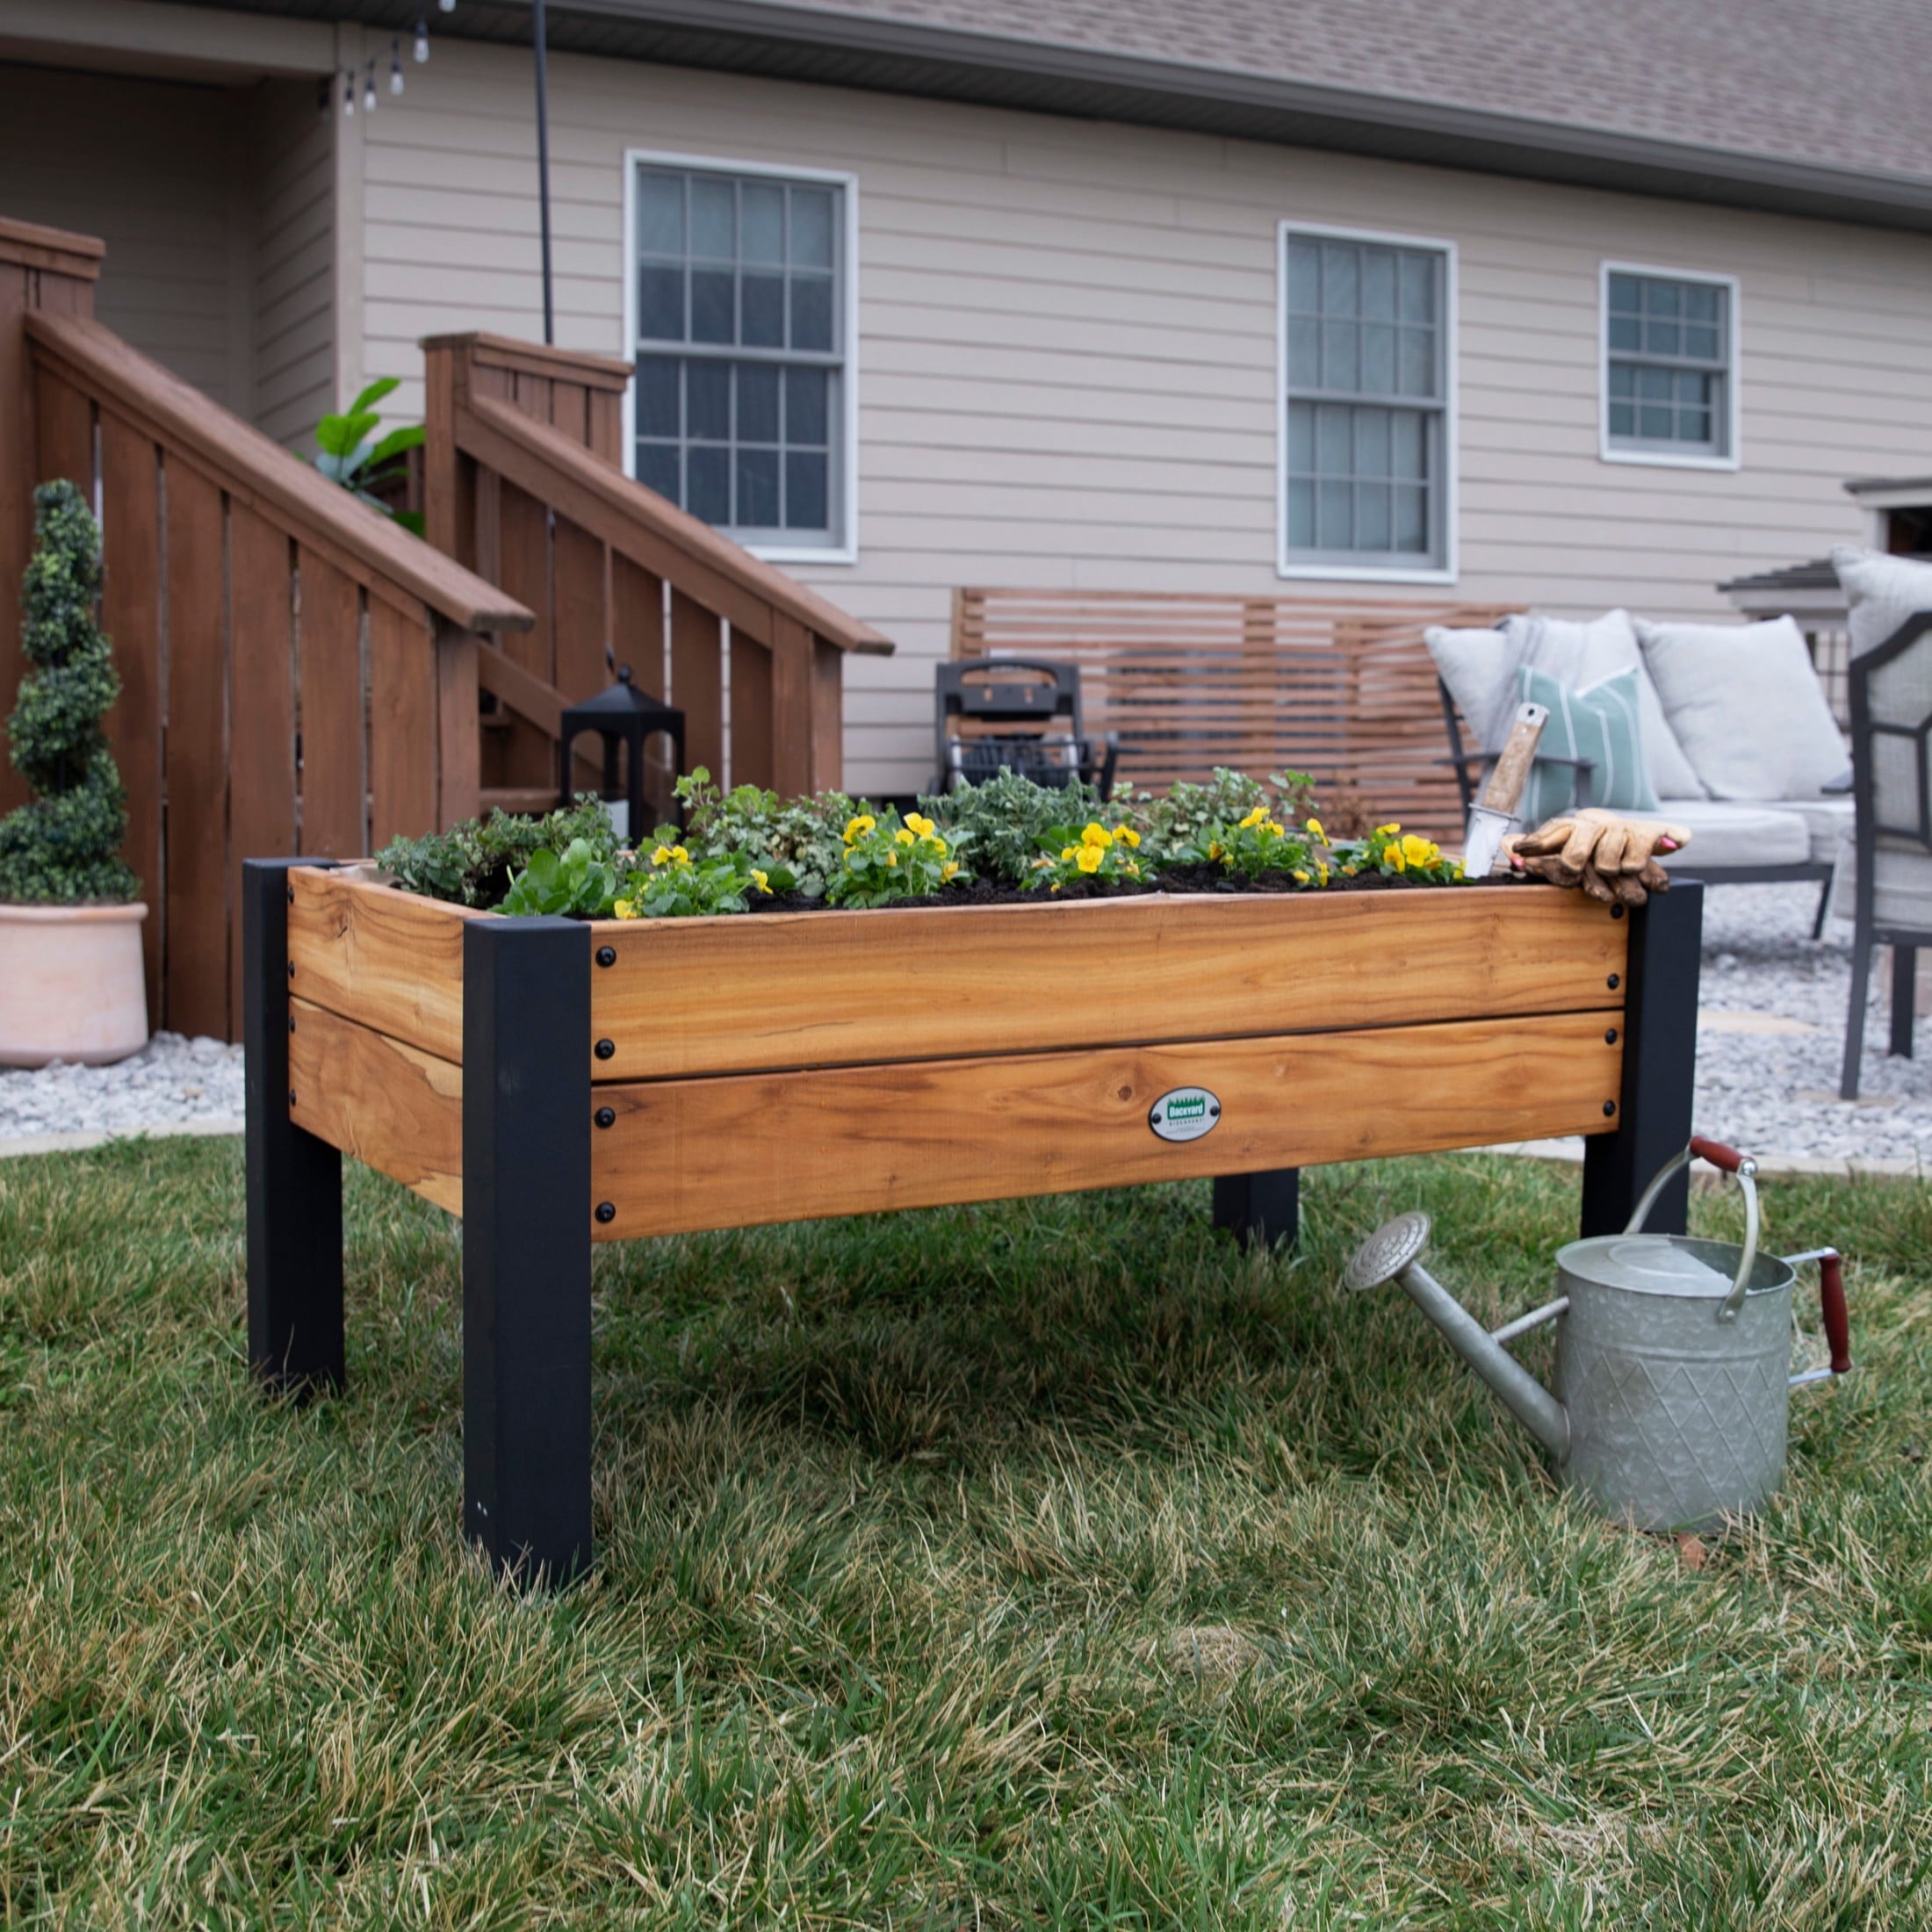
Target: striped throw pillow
x,y
1600,723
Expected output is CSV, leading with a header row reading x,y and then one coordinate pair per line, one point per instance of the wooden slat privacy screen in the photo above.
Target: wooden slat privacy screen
x,y
1342,690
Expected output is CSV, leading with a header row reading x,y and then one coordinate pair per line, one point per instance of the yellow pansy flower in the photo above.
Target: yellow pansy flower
x,y
1127,832
661,856
1419,851
1321,867
1254,818
857,828
1300,877
1275,829
1316,832
1097,836
1388,831
947,871
891,858
1089,858
624,910
1215,850
1395,857
933,842
761,880
1348,871
1067,852
919,824
680,857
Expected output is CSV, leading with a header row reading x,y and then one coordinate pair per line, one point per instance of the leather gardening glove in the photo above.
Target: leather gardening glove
x,y
1608,856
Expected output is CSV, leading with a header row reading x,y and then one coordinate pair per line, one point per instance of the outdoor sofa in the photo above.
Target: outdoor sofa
x,y
1720,728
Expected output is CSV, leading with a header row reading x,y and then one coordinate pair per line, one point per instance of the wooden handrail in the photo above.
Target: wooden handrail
x,y
32,246
638,523
257,470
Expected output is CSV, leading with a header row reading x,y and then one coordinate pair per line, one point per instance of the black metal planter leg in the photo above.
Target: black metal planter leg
x,y
526,1244
1260,1210
294,1181
1660,1027
1905,997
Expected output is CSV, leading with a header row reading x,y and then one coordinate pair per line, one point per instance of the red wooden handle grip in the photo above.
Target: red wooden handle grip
x,y
1717,1153
1831,1303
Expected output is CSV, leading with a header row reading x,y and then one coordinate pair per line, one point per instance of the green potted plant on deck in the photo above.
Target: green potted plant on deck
x,y
70,956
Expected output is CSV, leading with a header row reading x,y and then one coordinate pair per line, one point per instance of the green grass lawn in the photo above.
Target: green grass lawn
x,y
1050,1564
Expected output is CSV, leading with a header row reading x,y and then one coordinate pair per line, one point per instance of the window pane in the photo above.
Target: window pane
x,y
811,227
713,296
1417,361
1662,338
1623,419
1625,294
1372,442
660,304
1701,340
764,320
1304,276
1654,421
758,405
1301,438
1301,513
1338,273
1377,359
1700,301
1334,439
658,468
1623,380
812,312
1409,443
762,208
657,382
1411,531
1339,369
1334,517
1379,284
707,473
807,496
1653,384
1374,512
714,224
1626,332
1665,299
1304,352
708,401
757,489
1418,287
660,214
805,409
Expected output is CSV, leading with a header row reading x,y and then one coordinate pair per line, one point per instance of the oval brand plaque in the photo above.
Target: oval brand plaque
x,y
1185,1113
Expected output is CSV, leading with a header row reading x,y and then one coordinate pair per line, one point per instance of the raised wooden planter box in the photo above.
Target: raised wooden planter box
x,y
557,1083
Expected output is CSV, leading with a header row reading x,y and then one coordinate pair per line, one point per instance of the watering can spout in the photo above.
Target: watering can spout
x,y
1392,1254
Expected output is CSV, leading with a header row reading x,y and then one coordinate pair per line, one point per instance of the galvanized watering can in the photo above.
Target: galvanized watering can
x,y
1673,1356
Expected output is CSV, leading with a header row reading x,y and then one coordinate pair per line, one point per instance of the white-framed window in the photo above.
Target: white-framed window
x,y
741,312
1669,359
1367,425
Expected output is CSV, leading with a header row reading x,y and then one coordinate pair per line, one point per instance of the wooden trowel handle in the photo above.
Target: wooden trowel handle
x,y
1504,792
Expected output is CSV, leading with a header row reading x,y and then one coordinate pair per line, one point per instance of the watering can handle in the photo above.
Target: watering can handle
x,y
1733,1162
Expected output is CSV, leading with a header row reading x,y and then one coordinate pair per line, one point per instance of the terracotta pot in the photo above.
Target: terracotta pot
x,y
71,986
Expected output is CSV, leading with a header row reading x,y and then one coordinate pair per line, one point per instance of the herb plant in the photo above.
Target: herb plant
x,y
886,862
800,837
1103,855
1008,821
1184,820
1256,843
675,885
63,846
473,863
580,884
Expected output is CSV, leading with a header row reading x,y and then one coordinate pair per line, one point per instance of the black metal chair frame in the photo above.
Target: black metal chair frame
x,y
1467,764
1092,760
1866,930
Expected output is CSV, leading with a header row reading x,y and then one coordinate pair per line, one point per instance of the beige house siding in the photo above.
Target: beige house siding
x,y
1067,361
294,260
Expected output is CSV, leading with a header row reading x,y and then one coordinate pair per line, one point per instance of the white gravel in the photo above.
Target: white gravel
x,y
170,1084
1772,1016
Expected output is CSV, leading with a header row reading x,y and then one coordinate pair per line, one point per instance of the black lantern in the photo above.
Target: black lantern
x,y
623,715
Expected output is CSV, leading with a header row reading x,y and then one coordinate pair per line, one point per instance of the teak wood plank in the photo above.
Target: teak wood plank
x,y
195,996
818,988
130,603
402,727
697,682
527,756
332,776
387,960
262,706
687,1155
390,1105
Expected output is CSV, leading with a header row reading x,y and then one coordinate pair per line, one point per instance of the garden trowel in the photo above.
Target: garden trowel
x,y
1494,815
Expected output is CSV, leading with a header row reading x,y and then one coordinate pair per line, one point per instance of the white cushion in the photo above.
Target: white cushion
x,y
1746,705
1480,668
1882,591
1829,821
1903,899
1724,833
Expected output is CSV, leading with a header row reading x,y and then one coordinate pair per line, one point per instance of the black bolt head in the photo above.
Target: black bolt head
x,y
1609,1038
607,956
1615,981
291,1022
605,1048
292,1096
291,969
292,894
607,1116
607,1210
1617,911
1610,1108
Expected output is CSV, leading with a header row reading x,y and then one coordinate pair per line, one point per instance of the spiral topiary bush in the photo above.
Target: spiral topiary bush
x,y
63,846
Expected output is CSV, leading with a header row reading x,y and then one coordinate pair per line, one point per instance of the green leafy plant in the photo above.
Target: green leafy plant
x,y
1183,821
675,885
578,884
1396,854
1098,854
472,863
63,846
887,861
348,450
1255,845
1006,820
801,837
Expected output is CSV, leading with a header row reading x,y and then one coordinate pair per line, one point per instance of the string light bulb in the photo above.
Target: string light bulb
x,y
395,67
422,36
349,96
447,6
369,90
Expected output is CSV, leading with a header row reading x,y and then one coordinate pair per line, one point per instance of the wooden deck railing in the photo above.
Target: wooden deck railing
x,y
299,673
523,484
